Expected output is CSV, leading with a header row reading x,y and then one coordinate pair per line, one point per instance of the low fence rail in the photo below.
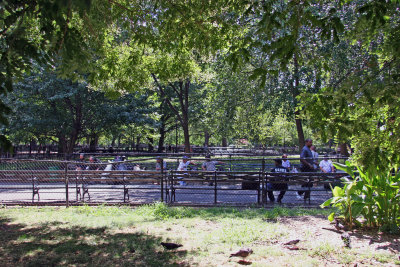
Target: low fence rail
x,y
65,185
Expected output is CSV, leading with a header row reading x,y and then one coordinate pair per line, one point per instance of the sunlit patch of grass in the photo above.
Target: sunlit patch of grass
x,y
25,238
323,249
383,257
346,258
109,236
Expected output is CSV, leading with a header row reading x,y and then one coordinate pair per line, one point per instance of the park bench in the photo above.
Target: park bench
x,y
128,181
86,180
246,180
218,178
31,180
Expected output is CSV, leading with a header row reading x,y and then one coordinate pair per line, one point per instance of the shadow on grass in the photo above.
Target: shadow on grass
x,y
55,244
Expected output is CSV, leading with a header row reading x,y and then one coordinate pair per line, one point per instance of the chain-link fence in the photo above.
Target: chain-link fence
x,y
202,181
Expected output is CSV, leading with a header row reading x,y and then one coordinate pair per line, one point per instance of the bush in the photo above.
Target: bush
x,y
370,197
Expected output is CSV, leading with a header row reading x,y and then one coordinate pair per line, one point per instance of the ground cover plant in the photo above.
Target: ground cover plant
x,y
124,236
370,197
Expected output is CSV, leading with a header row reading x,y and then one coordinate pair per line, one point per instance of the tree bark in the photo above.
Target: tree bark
x,y
94,138
299,124
161,141
61,144
206,138
162,132
76,110
224,142
137,142
343,149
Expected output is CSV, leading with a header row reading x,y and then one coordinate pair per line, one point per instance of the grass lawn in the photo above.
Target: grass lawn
x,y
123,236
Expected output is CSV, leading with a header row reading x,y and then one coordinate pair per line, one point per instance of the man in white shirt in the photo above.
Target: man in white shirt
x,y
183,165
285,162
326,165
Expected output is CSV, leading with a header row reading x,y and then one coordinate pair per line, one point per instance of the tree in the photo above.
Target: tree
x,y
64,111
358,101
41,31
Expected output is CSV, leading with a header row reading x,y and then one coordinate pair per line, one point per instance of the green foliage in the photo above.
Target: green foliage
x,y
370,197
49,108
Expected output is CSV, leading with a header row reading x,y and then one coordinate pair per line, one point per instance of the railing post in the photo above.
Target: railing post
x,y
162,180
172,187
263,196
66,186
215,187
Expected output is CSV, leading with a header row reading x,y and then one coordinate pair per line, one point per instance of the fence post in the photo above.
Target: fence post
x,y
172,188
66,186
263,197
162,180
215,187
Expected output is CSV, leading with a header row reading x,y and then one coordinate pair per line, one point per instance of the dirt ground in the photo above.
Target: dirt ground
x,y
369,247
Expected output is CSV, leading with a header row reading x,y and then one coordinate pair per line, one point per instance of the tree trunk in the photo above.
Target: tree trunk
x,y
162,136
150,146
300,133
119,141
185,127
299,125
206,138
343,149
93,142
224,142
73,138
113,141
137,142
185,114
61,144
182,112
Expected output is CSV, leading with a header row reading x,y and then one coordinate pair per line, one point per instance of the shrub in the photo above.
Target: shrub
x,y
370,197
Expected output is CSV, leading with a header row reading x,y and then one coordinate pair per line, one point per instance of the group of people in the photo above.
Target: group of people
x,y
95,165
82,164
308,158
207,165
309,163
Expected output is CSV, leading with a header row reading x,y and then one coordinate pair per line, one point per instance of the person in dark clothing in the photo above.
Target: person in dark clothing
x,y
282,187
93,167
81,163
307,165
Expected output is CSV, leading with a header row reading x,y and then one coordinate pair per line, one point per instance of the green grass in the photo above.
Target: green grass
x,y
109,236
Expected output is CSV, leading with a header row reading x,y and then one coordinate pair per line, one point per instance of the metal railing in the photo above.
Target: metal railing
x,y
63,183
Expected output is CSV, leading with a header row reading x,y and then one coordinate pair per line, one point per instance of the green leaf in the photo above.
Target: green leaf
x,y
337,192
326,203
331,217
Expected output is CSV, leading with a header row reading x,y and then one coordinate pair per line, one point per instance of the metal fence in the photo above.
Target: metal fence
x,y
235,182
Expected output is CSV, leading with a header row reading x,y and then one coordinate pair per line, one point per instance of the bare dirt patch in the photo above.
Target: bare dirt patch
x,y
320,238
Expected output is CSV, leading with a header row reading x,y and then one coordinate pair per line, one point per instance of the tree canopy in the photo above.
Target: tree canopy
x,y
225,68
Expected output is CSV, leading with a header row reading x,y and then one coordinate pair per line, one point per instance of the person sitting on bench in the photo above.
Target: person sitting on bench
x,y
282,187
